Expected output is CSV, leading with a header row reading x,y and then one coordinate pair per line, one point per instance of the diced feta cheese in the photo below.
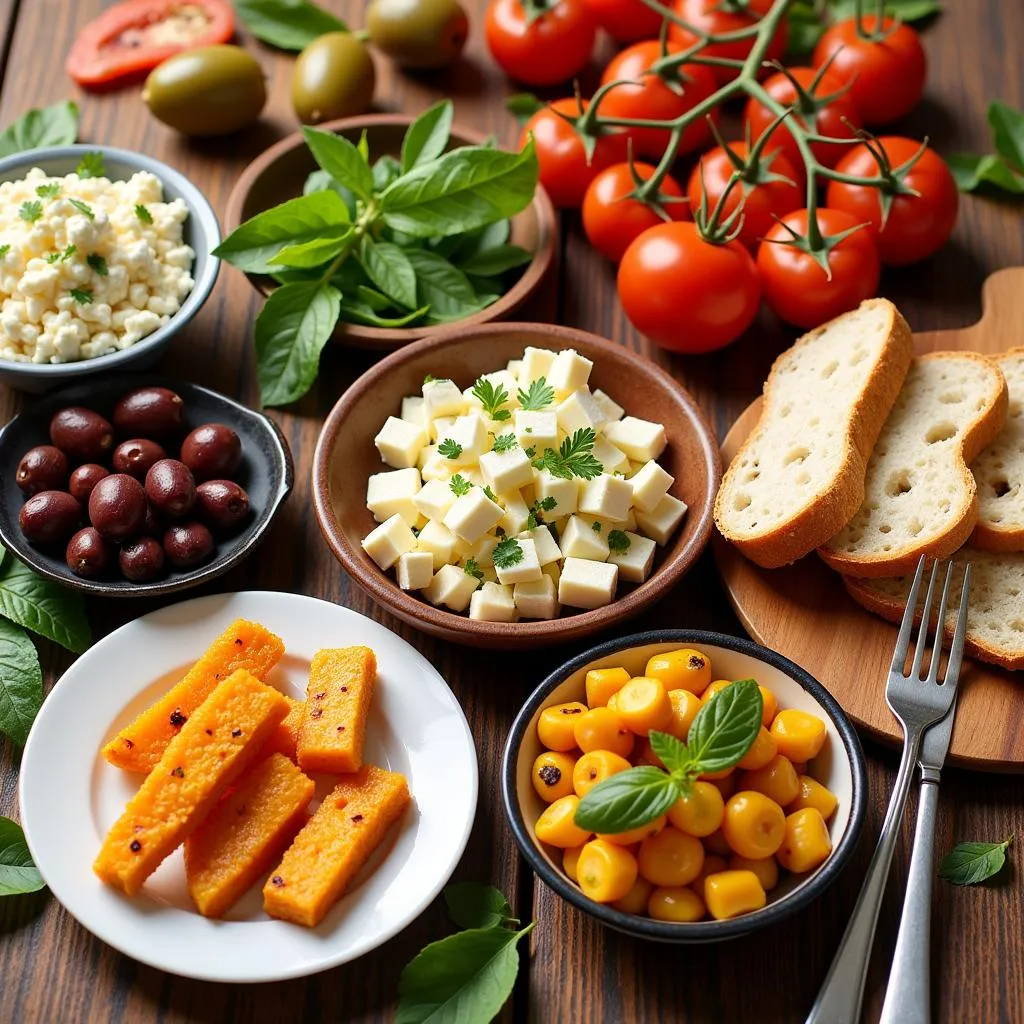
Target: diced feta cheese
x,y
493,602
392,493
536,364
568,372
434,499
483,551
536,600
400,442
587,584
606,496
611,458
517,512
415,570
443,398
636,561
565,492
506,471
525,570
452,587
611,409
414,410
470,434
514,366
440,427
641,440
650,485
536,429
579,412
472,515
439,541
389,541
580,540
662,520
546,546
437,467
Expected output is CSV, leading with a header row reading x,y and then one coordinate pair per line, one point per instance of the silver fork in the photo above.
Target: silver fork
x,y
917,704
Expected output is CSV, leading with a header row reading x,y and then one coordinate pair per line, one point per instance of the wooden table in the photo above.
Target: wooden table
x,y
52,970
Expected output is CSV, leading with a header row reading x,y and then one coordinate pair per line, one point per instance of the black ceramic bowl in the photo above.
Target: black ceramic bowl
x,y
840,766
265,472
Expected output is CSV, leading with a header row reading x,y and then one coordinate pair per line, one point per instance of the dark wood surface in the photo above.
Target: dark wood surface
x,y
52,970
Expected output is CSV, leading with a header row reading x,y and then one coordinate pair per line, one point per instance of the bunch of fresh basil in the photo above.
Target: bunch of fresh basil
x,y
417,241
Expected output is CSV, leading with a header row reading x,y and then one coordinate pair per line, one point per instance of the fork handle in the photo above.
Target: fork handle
x,y
908,996
839,1000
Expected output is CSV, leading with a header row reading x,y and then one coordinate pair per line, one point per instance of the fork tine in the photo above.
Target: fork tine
x,y
940,629
899,655
956,652
922,632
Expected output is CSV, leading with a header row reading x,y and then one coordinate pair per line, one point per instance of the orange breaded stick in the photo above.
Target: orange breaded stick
x,y
221,738
138,746
334,844
245,833
337,705
286,736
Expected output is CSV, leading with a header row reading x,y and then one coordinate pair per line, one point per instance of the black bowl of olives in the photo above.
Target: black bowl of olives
x,y
139,485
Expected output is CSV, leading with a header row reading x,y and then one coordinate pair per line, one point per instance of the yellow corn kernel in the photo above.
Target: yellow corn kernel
x,y
766,869
603,729
671,858
606,872
556,826
634,835
555,725
685,706
769,705
675,903
570,859
798,734
807,842
754,824
701,812
603,683
731,893
643,704
635,901
595,766
552,775
777,779
814,794
685,669
761,751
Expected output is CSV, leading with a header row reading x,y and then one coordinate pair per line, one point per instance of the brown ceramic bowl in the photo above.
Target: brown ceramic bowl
x,y
279,173
345,457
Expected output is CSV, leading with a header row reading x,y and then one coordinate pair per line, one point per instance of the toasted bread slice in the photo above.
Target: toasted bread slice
x,y
800,475
920,497
995,618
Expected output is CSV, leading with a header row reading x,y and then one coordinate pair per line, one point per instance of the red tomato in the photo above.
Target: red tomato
x,y
565,171
625,20
887,76
654,100
686,294
917,225
797,288
828,120
551,48
714,16
132,37
611,221
763,201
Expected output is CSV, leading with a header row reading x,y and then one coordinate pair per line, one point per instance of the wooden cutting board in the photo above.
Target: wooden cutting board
x,y
803,612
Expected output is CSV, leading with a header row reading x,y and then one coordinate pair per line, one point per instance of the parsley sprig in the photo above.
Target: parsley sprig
x,y
459,485
92,165
60,257
143,214
472,569
538,397
573,458
4,250
48,191
82,295
505,443
450,449
492,397
83,208
97,263
509,552
533,519
618,540
30,211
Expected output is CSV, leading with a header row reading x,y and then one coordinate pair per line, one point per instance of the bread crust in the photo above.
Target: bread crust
x,y
826,512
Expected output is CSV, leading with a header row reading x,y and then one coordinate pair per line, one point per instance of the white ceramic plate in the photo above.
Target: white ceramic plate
x,y
70,796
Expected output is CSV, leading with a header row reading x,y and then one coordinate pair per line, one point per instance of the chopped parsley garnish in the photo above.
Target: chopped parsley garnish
x,y
618,541
429,379
143,214
460,485
30,211
450,449
97,263
490,494
48,191
61,257
492,398
505,443
83,208
573,458
595,526
539,506
92,165
4,250
538,396
82,295
472,569
529,430
530,452
509,552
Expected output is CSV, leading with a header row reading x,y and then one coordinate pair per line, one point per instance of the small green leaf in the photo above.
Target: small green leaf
x,y
321,181
618,540
21,682
726,726
1008,134
142,212
971,863
97,264
441,286
92,165
492,262
51,126
83,296
805,28
86,209
377,301
523,105
505,443
43,606
316,252
287,24
427,136
672,752
573,458
360,313
390,269
971,172
477,906
385,171
341,160
18,874
449,449
538,396
48,191
459,485
627,800
509,552
472,569
30,211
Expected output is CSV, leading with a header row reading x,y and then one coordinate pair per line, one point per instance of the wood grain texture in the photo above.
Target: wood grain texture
x,y
53,970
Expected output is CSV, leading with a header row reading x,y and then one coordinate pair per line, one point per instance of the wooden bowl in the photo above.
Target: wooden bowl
x,y
345,457
280,172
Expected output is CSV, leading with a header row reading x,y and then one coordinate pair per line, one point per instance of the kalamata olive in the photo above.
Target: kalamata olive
x,y
333,77
81,434
141,559
49,517
188,545
88,554
43,468
222,504
149,412
136,456
117,506
212,451
84,479
170,487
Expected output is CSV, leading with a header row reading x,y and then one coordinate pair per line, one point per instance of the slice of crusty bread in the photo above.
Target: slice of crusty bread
x,y
999,470
995,616
800,475
920,497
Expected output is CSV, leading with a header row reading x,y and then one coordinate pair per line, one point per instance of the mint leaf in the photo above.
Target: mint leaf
x,y
427,136
449,449
389,268
477,906
18,874
538,397
43,606
1008,134
92,165
341,160
316,252
971,863
627,800
442,286
287,24
971,171
21,682
492,262
51,126
725,727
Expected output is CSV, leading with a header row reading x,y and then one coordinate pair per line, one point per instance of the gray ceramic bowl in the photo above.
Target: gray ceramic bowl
x,y
201,232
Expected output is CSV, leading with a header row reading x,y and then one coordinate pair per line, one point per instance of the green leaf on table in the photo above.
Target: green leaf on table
x,y
523,105
361,313
477,906
427,136
726,727
463,979
443,287
385,171
18,874
341,160
21,682
495,261
1008,133
971,863
390,269
317,252
971,172
43,606
627,800
56,125
287,24
291,331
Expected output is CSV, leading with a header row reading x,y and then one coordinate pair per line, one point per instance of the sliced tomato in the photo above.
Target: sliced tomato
x,y
132,37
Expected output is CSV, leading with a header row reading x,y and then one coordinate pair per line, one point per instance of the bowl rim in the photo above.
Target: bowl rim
x,y
701,931
389,338
448,624
17,546
201,212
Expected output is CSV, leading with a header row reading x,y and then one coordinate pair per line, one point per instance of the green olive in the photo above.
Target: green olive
x,y
212,90
418,33
333,77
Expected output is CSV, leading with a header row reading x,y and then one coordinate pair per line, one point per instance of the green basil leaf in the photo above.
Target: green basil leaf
x,y
427,136
905,10
493,262
484,288
21,682
627,800
360,313
341,160
43,606
971,863
971,172
462,247
462,190
672,752
291,331
443,287
287,24
377,301
385,171
477,906
251,246
51,126
523,105
390,270
307,255
18,874
726,726
463,979
1008,133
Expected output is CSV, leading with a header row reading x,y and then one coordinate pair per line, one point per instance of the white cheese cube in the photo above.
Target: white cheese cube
x,y
400,442
650,485
565,492
452,587
437,539
440,427
462,550
392,493
514,366
547,547
662,520
611,409
434,499
537,430
506,471
636,561
537,363
523,571
437,467
578,412
414,411
629,523
536,600
493,602
587,584
579,539
472,515
483,551
641,440
415,570
568,372
389,541
613,460
497,379
517,512
424,457
470,434
443,398
606,496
